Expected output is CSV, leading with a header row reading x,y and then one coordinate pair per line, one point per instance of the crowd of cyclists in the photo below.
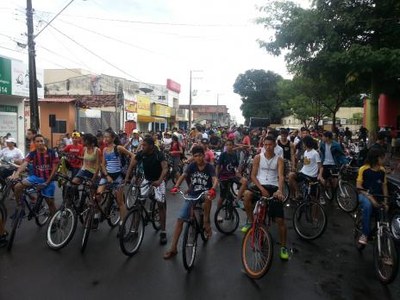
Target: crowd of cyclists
x,y
201,160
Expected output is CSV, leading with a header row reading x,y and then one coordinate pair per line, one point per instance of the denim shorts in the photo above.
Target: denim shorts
x,y
85,174
184,213
47,192
116,177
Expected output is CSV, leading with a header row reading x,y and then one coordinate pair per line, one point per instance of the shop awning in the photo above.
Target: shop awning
x,y
150,119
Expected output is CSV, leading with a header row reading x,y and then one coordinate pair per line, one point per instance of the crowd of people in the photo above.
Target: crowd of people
x,y
279,155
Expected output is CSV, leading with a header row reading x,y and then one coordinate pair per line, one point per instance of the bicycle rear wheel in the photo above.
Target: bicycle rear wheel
x,y
346,197
61,228
17,218
42,211
234,187
385,258
189,245
155,215
131,232
257,251
226,218
395,225
309,220
87,228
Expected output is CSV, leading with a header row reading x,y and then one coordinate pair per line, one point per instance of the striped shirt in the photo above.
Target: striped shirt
x,y
113,161
42,162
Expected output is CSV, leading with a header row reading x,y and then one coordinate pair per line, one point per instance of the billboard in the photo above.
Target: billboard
x,y
143,105
5,76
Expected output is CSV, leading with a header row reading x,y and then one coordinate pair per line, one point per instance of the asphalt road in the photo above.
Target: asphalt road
x,y
327,268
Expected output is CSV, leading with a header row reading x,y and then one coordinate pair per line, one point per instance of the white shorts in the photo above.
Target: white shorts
x,y
158,191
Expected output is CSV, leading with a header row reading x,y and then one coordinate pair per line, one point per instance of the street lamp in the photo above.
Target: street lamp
x,y
190,95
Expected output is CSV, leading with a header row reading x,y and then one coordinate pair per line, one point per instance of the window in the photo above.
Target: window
x,y
61,127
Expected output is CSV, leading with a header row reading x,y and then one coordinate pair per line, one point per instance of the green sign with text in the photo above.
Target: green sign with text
x,y
5,76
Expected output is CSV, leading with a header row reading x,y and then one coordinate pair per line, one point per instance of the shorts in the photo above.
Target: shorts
x,y
184,213
84,174
275,207
47,192
175,163
116,177
225,185
158,192
328,170
302,177
74,171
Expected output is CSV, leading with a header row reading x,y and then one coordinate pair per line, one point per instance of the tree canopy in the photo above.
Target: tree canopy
x,y
258,91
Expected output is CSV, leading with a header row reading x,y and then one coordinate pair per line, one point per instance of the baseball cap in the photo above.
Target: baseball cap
x,y
135,131
76,135
11,140
204,141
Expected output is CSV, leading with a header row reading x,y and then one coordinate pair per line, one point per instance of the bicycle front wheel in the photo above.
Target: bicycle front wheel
x,y
131,232
131,196
189,245
309,220
113,212
257,251
16,220
155,215
286,191
385,258
42,212
61,228
346,197
86,229
226,219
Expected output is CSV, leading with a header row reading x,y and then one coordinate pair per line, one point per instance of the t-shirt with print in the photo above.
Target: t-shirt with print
x,y
200,180
73,154
311,159
42,162
227,162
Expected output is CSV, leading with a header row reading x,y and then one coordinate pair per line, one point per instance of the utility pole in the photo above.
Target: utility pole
x,y
33,95
190,101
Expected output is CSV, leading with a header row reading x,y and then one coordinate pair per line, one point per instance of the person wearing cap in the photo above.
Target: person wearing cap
x,y
10,154
201,177
167,141
332,157
67,140
134,142
74,153
209,156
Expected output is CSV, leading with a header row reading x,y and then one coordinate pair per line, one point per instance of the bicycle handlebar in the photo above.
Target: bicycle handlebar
x,y
192,199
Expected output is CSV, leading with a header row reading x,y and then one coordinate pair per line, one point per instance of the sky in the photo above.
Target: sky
x,y
148,41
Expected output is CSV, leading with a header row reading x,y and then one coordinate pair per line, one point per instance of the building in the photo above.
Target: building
x,y
14,89
147,107
216,115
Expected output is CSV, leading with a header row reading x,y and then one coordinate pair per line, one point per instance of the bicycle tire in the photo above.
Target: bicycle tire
x,y
346,197
113,214
155,215
87,228
3,213
226,215
234,188
309,220
395,225
386,272
286,191
60,220
15,223
189,245
131,232
131,196
42,212
257,244
357,231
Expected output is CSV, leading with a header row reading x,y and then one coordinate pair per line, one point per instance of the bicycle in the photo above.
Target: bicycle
x,y
133,226
38,209
309,218
385,252
226,217
344,192
107,208
63,223
257,246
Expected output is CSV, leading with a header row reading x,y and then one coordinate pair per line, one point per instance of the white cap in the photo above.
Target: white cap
x,y
11,140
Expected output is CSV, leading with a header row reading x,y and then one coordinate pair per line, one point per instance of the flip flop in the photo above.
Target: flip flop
x,y
170,254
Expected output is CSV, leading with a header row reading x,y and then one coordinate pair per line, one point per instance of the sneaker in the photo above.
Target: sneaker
x,y
163,237
284,254
246,227
363,240
322,200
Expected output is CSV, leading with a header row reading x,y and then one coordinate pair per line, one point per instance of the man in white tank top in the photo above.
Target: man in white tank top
x,y
267,177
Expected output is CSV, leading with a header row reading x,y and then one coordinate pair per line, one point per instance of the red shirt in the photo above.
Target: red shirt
x,y
175,147
74,152
42,162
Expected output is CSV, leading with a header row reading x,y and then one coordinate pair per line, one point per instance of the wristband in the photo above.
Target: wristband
x,y
212,193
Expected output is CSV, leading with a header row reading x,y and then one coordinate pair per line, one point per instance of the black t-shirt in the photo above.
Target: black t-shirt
x,y
286,150
214,140
151,164
227,162
200,180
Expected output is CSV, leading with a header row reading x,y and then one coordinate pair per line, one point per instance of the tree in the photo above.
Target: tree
x,y
350,45
258,91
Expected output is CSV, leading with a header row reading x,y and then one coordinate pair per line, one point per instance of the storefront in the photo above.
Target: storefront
x,y
161,114
130,115
144,118
14,88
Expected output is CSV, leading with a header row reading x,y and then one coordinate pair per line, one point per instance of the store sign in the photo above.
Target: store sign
x,y
173,86
131,116
5,76
8,123
143,105
20,80
130,106
161,111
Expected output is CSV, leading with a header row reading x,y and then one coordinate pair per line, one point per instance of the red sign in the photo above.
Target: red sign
x,y
173,86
